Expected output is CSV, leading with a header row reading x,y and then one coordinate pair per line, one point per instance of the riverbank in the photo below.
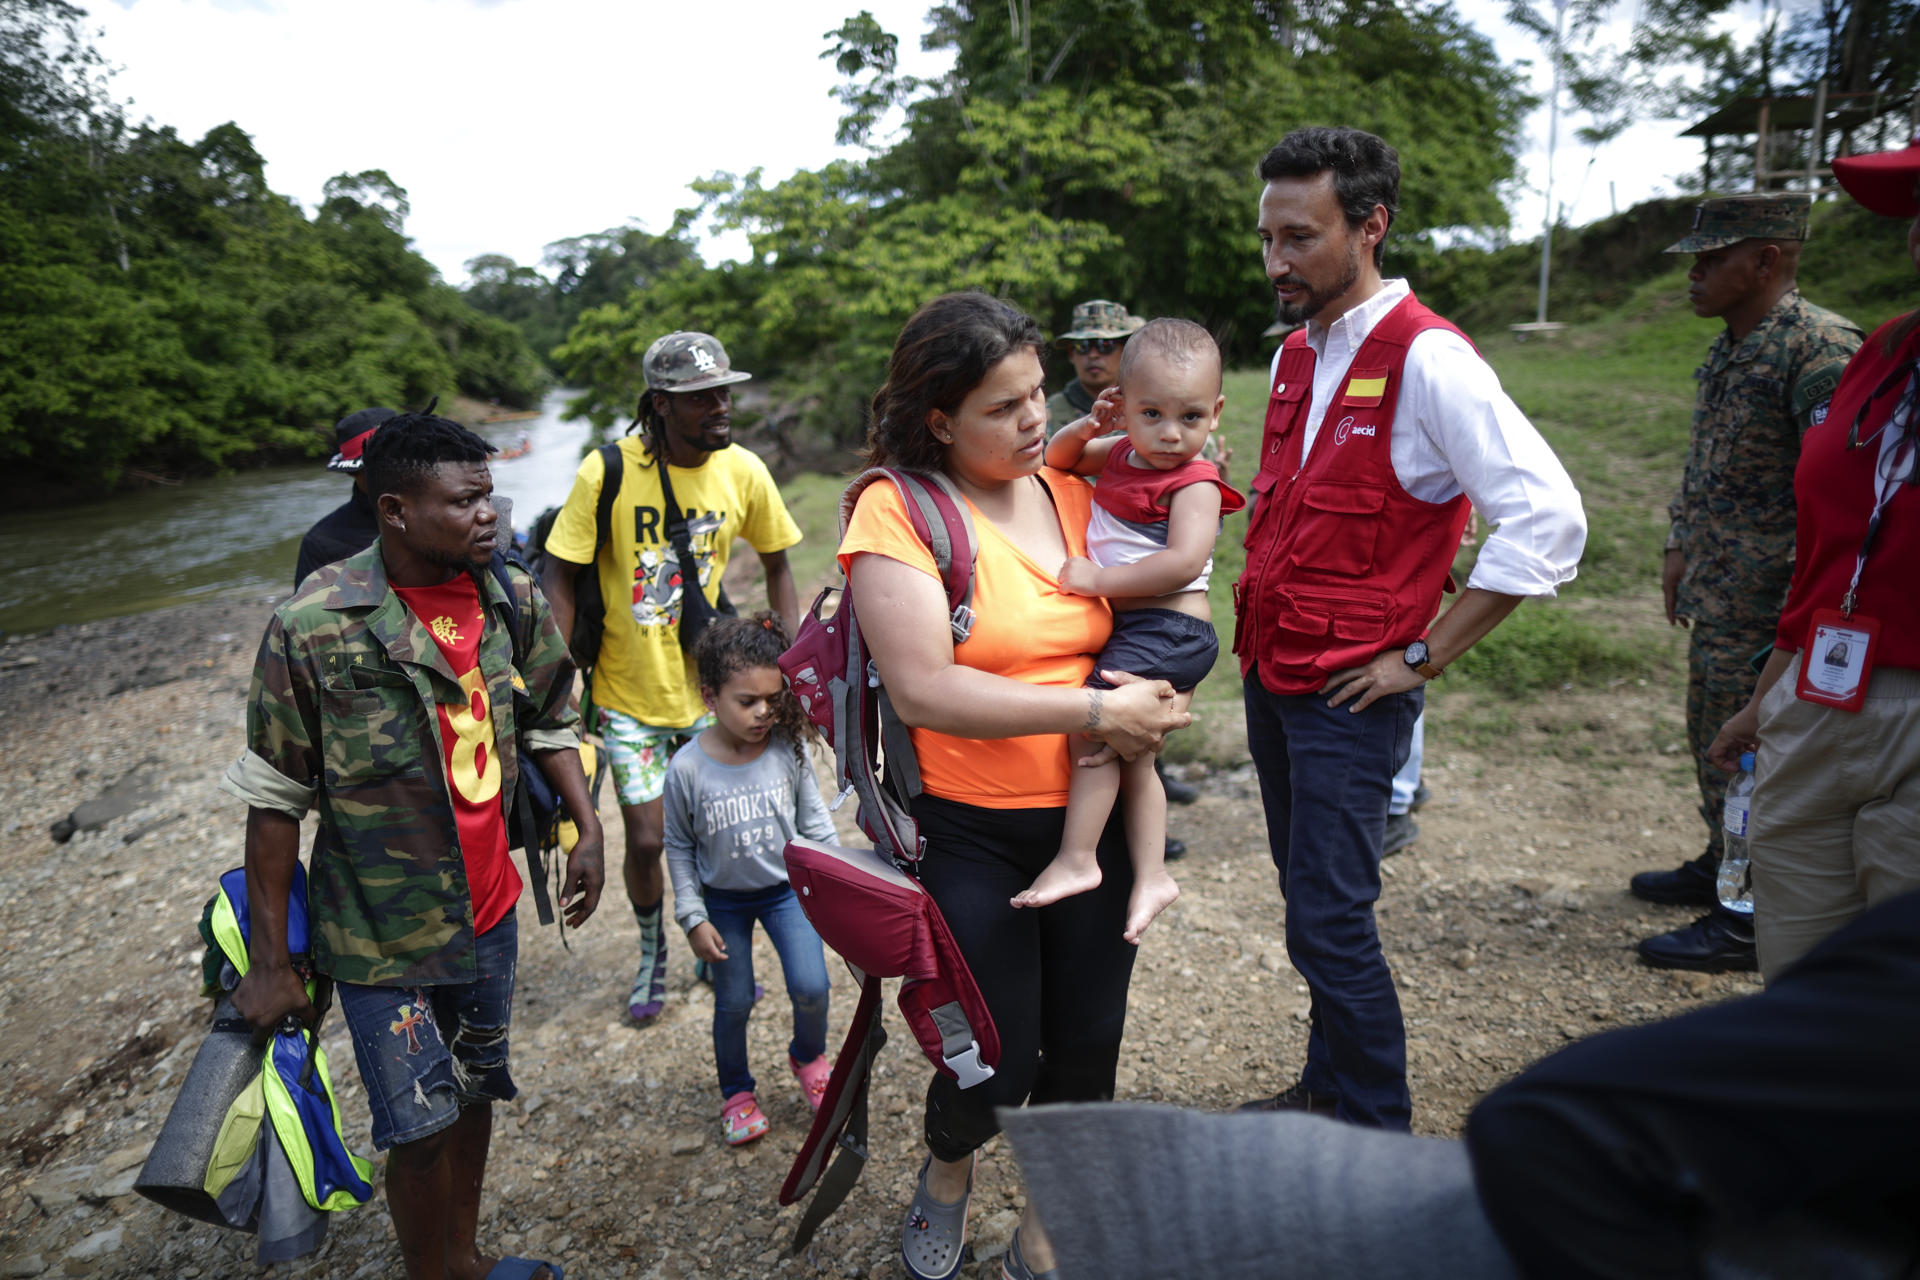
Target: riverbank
x,y
1508,928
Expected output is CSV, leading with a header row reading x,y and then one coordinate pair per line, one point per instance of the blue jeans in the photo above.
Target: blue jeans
x,y
427,1052
1407,780
1326,775
802,959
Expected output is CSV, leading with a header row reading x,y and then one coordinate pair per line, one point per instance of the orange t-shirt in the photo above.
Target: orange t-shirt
x,y
1026,628
453,615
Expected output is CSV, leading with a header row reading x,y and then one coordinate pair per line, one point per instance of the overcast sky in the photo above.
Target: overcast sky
x,y
512,123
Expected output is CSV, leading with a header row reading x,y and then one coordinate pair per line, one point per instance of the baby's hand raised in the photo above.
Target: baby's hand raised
x,y
1105,415
1078,576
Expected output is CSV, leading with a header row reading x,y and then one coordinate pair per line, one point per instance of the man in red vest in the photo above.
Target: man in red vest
x,y
1384,427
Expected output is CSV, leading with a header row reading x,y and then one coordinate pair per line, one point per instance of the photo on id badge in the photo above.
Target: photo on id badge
x,y
1836,662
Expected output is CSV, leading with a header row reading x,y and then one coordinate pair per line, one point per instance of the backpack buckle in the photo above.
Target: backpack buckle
x,y
966,1065
961,622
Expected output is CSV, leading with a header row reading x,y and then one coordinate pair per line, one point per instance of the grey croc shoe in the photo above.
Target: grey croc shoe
x,y
934,1237
1013,1266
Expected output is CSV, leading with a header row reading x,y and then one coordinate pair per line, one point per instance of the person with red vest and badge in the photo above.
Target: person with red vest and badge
x,y
1834,720
1383,429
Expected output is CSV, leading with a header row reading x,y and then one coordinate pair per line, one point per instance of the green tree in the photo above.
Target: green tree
x,y
1078,147
161,307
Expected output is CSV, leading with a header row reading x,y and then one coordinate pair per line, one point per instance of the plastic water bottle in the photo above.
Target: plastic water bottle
x,y
1736,871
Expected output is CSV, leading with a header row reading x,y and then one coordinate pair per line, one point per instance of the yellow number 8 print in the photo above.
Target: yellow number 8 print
x,y
476,773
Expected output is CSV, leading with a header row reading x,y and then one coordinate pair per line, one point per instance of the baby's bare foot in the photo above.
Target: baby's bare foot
x,y
1062,879
1151,895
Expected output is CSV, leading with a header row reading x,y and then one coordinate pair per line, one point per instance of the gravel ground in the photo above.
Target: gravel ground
x,y
1508,928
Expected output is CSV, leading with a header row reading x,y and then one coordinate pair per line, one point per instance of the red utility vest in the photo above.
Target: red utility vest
x,y
1342,562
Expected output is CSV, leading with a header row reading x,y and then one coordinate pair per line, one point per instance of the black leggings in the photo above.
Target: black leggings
x,y
1055,978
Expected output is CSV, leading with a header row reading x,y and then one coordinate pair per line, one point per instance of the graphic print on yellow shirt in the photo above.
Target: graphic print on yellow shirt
x,y
658,592
642,671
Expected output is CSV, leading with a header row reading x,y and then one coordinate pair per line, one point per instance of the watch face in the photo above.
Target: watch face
x,y
1416,654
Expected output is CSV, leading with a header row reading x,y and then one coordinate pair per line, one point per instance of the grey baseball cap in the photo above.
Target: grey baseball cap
x,y
686,361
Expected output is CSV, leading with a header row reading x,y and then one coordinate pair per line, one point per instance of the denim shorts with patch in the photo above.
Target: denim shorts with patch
x,y
638,753
426,1052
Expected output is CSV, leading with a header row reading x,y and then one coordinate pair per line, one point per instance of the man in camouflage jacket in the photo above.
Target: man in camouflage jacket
x,y
356,709
1766,380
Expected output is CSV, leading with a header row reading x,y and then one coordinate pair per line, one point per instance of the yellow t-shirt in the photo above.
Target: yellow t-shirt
x,y
641,670
1025,628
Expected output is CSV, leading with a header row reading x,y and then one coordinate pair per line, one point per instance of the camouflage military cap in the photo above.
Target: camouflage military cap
x,y
1101,319
1770,215
685,361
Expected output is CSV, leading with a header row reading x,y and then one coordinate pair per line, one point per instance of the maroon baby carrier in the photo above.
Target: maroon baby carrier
x,y
861,901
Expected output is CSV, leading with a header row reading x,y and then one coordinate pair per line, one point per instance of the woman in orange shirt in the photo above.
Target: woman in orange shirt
x,y
989,717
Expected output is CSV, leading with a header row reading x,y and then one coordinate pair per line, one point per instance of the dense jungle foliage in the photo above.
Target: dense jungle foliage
x,y
161,309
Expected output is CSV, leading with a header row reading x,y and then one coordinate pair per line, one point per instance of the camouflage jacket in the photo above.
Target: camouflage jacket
x,y
1733,516
341,715
1070,402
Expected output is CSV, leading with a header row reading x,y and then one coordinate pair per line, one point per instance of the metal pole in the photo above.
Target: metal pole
x,y
1553,130
1817,156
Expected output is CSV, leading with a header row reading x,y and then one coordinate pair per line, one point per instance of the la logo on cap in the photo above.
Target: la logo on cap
x,y
703,359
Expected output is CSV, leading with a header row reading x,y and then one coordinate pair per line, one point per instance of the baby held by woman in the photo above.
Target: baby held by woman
x,y
1157,509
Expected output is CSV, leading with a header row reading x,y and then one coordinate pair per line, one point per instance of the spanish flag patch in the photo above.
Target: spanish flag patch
x,y
1365,388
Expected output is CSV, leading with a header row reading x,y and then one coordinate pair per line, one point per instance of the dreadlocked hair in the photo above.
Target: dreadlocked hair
x,y
732,645
406,447
652,426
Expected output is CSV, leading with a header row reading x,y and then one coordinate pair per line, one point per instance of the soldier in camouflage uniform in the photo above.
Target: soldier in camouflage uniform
x,y
1094,341
405,733
1766,380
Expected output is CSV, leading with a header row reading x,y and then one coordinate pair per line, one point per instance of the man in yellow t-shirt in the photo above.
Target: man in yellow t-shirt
x,y
644,686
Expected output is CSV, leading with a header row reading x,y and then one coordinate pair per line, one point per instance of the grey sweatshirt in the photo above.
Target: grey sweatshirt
x,y
727,823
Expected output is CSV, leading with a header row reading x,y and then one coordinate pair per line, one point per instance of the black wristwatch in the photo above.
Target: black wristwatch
x,y
1416,657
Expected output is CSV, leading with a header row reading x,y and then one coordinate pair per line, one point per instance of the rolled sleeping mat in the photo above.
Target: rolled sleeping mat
x,y
1134,1192
175,1174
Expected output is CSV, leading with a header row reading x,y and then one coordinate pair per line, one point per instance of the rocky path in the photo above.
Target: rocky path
x,y
1507,926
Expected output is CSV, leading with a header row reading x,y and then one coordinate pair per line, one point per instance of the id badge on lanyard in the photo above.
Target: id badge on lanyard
x,y
1836,662
1837,659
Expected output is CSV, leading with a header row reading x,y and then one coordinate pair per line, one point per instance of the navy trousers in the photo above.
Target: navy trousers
x,y
1326,777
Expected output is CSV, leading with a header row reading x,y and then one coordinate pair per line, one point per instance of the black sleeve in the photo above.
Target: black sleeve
x,y
1762,1133
309,560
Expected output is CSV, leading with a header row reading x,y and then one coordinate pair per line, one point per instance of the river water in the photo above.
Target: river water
x,y
239,534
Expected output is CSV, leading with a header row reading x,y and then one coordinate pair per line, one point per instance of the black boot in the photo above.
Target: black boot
x,y
1720,941
1691,884
1178,792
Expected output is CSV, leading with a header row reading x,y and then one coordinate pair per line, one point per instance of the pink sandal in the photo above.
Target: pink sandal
x,y
813,1077
741,1119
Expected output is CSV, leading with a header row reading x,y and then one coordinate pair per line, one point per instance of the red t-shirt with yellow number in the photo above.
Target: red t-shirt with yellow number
x,y
453,615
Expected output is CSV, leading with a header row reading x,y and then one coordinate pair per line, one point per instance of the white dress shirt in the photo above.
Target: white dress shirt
x,y
1455,431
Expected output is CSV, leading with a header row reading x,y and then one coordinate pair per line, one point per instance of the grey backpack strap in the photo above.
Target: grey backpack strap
x,y
951,538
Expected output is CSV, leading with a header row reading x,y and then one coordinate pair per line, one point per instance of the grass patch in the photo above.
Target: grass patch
x,y
1541,647
813,499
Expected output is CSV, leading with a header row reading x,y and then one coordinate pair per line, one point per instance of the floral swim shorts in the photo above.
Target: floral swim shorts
x,y
638,753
